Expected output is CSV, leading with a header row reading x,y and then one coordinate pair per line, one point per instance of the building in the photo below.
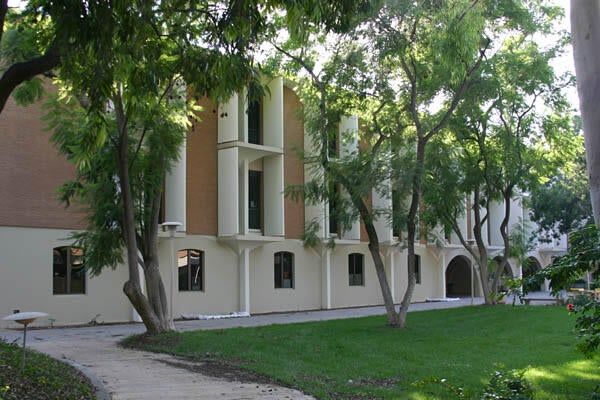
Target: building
x,y
239,246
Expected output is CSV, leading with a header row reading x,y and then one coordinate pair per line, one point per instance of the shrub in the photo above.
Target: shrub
x,y
508,385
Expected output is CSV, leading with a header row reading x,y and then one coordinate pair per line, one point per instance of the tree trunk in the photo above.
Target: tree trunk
x,y
411,227
482,259
585,31
388,301
132,288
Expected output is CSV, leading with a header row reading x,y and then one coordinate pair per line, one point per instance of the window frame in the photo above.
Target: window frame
x,y
279,269
69,270
188,265
352,267
255,189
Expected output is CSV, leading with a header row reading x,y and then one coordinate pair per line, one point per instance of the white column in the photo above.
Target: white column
x,y
443,291
244,261
326,278
383,224
228,124
228,189
243,195
348,130
273,114
389,261
175,190
273,196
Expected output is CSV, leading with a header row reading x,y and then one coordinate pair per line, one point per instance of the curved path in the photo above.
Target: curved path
x,y
128,374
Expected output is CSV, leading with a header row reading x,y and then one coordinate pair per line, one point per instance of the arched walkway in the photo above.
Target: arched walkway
x,y
458,277
530,267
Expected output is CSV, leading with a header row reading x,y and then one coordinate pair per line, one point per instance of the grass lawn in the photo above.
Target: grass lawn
x,y
44,379
362,359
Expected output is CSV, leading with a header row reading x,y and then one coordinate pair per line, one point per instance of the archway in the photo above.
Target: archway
x,y
458,277
530,267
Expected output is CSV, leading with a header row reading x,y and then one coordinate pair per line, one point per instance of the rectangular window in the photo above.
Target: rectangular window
x,y
284,270
254,189
68,271
418,269
190,266
333,221
254,122
356,269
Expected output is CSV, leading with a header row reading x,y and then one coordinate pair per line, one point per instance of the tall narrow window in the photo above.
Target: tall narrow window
x,y
333,221
417,268
284,270
356,269
190,263
68,271
254,122
254,185
332,146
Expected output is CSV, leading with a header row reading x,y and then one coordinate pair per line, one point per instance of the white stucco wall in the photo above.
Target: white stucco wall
x,y
26,281
306,294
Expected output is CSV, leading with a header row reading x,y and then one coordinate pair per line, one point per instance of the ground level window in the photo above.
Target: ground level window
x,y
68,270
417,268
190,264
356,269
284,270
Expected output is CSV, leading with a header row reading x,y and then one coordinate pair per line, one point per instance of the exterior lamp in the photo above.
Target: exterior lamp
x,y
172,227
24,318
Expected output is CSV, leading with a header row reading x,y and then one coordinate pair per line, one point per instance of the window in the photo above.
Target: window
x,y
254,122
68,271
254,189
418,268
190,265
284,270
332,146
334,191
355,269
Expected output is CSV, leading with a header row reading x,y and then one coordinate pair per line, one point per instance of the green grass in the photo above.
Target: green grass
x,y
44,378
361,358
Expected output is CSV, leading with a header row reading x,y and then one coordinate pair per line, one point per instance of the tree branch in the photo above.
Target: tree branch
x,y
24,71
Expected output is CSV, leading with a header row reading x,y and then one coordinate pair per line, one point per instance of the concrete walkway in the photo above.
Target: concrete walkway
x,y
127,374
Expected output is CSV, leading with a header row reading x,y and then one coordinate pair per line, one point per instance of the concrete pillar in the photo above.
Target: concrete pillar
x,y
227,191
244,264
383,224
326,278
273,114
443,291
243,196
274,218
348,131
391,267
228,125
175,190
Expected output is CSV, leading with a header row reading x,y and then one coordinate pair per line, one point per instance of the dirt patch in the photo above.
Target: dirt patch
x,y
143,341
222,370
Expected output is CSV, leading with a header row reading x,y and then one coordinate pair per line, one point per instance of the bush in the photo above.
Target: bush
x,y
508,385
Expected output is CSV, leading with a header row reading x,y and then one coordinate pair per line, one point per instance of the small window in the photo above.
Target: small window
x,y
417,269
254,190
284,270
356,269
334,190
254,122
190,265
68,271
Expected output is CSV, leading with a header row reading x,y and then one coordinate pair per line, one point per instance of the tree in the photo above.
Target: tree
x,y
130,119
562,204
507,143
585,31
389,70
